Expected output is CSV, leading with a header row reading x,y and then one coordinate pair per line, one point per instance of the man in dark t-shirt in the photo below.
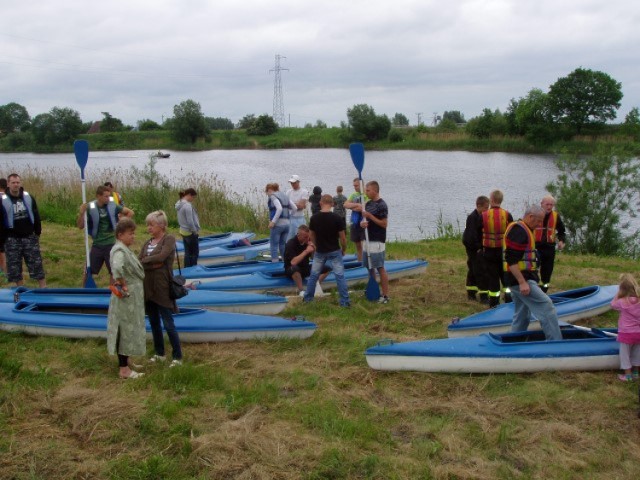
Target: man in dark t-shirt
x,y
327,234
297,252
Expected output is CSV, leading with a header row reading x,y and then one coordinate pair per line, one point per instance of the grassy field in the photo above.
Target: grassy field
x,y
312,409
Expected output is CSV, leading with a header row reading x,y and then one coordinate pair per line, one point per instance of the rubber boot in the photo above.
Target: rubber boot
x,y
507,298
494,302
471,295
484,299
544,288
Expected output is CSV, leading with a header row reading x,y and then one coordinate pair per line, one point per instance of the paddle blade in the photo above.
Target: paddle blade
x,y
88,281
357,156
81,149
373,289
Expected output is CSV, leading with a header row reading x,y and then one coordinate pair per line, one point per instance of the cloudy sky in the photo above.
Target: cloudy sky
x,y
136,59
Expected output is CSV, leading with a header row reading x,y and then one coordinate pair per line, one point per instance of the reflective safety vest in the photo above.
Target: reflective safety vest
x,y
547,233
494,225
529,260
7,206
94,217
284,201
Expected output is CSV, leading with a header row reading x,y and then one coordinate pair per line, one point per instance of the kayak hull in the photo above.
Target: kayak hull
x,y
501,353
571,306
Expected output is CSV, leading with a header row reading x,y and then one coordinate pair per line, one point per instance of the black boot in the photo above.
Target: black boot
x,y
471,295
507,298
484,299
494,302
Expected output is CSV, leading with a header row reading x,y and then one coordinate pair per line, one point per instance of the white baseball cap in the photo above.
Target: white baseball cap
x,y
294,179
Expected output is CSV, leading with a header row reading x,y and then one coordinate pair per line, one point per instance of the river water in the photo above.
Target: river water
x,y
420,187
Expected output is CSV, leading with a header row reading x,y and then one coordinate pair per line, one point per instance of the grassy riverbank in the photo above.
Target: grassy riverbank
x,y
312,409
424,138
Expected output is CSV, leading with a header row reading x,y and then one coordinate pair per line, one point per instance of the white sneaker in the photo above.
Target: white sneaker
x,y
301,293
175,363
319,292
157,359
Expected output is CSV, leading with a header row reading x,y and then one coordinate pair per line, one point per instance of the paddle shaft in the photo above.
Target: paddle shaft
x,y
587,329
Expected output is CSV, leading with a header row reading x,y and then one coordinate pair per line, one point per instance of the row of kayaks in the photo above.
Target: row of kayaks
x,y
222,308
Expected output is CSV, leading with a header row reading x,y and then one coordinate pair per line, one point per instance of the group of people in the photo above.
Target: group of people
x,y
324,238
144,280
520,255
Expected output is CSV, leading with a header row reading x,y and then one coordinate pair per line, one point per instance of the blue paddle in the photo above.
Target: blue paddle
x,y
81,149
356,150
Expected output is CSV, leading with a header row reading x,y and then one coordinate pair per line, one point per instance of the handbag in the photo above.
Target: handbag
x,y
176,286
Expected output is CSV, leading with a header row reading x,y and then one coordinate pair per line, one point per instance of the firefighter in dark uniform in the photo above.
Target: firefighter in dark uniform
x,y
550,233
494,224
472,241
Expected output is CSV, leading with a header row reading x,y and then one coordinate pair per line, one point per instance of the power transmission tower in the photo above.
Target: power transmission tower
x,y
419,118
278,102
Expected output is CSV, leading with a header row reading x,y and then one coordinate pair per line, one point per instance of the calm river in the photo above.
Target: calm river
x,y
418,186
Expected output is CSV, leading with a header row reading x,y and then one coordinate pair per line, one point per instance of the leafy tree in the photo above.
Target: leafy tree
x,y
366,125
111,124
455,116
263,125
14,118
488,124
395,135
320,124
188,122
219,123
447,125
584,97
631,125
594,195
530,116
246,121
60,125
148,125
400,120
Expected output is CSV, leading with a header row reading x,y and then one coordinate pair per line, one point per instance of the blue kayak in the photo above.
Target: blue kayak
x,y
193,325
571,305
210,241
235,252
203,273
209,300
277,281
580,350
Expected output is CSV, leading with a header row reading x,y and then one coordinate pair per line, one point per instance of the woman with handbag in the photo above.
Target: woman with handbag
x,y
157,256
125,325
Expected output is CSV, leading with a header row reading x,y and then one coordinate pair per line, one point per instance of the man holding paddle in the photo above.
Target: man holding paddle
x,y
375,221
102,215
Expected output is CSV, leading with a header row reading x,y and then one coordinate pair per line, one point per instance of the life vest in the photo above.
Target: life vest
x,y
494,225
529,262
284,201
94,217
7,205
547,233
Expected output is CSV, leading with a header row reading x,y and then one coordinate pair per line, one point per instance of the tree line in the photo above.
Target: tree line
x,y
582,102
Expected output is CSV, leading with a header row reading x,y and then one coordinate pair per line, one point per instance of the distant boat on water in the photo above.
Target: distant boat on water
x,y
160,154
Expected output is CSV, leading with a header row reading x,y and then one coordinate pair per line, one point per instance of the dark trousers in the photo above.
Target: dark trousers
x,y
191,250
493,273
547,256
155,312
475,270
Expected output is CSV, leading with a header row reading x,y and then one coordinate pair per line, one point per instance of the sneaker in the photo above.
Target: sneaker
x,y
157,359
383,299
175,363
301,293
625,377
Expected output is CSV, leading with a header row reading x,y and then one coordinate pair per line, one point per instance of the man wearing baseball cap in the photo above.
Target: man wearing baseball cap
x,y
297,196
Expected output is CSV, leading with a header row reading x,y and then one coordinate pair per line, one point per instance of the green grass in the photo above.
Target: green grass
x,y
313,408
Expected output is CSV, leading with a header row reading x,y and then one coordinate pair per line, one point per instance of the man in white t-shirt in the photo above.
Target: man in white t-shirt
x,y
298,197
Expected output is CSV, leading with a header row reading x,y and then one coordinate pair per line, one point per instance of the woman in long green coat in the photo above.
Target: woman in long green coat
x,y
126,334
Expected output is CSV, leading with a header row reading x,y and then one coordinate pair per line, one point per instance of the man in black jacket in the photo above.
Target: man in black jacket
x,y
472,241
21,229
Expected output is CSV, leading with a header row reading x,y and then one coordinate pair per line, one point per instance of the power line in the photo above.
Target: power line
x,y
278,102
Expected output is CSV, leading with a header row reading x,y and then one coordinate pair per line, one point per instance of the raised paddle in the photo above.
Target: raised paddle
x,y
356,150
81,149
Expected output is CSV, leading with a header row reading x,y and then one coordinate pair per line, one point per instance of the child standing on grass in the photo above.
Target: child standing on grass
x,y
627,303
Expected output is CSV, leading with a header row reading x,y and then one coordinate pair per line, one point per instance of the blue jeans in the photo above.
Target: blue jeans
x,y
335,260
155,311
278,239
191,250
536,303
294,223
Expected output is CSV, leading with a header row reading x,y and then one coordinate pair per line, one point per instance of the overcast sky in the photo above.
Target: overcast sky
x,y
136,59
